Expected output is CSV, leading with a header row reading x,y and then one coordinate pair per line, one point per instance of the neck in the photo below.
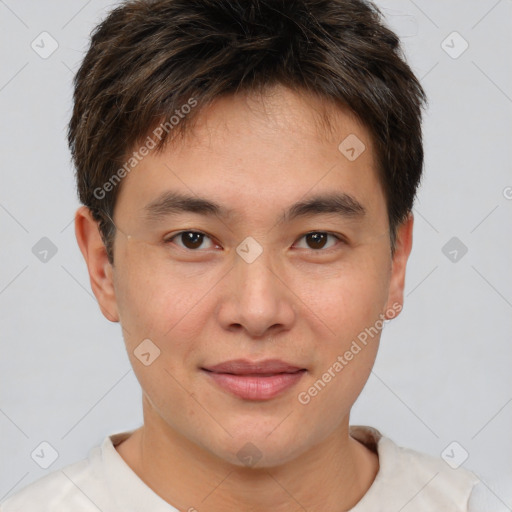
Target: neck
x,y
333,475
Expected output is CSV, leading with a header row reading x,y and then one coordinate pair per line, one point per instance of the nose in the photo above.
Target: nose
x,y
257,299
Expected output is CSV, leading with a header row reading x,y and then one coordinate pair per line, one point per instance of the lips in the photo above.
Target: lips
x,y
244,367
255,380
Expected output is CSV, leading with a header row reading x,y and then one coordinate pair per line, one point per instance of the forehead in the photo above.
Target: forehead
x,y
258,152
277,110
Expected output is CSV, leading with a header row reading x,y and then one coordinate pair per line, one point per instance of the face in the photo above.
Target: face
x,y
280,268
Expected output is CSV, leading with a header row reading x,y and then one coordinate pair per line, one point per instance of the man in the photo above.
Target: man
x,y
248,170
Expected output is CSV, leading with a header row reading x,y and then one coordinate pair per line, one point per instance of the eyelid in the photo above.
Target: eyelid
x,y
338,237
169,239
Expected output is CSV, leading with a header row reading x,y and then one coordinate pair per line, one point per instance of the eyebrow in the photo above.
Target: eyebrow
x,y
174,203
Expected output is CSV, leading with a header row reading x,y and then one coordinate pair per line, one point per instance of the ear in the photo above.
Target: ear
x,y
398,265
95,254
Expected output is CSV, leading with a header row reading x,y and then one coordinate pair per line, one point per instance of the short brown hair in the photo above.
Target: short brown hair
x,y
148,58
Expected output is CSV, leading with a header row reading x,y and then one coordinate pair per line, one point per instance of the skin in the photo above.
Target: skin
x,y
299,304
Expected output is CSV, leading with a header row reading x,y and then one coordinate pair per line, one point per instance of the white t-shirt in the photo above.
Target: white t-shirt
x,y
407,480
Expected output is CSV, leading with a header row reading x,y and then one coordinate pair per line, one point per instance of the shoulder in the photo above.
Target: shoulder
x,y
409,480
68,488
492,494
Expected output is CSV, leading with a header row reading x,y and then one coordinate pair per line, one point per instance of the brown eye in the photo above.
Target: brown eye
x,y
318,240
191,240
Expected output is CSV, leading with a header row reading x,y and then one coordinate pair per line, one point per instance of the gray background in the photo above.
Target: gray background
x,y
443,372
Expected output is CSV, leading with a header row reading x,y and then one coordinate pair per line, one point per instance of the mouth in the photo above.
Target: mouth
x,y
255,380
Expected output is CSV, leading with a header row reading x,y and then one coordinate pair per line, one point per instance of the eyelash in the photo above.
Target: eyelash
x,y
170,239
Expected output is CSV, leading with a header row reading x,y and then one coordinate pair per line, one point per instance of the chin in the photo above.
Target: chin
x,y
255,449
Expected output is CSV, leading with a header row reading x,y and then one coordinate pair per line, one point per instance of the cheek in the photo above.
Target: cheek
x,y
165,304
350,306
152,294
350,297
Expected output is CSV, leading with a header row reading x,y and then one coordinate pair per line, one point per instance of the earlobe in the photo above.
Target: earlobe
x,y
95,254
399,265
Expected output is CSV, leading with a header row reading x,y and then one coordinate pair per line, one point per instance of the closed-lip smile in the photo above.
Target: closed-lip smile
x,y
255,380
